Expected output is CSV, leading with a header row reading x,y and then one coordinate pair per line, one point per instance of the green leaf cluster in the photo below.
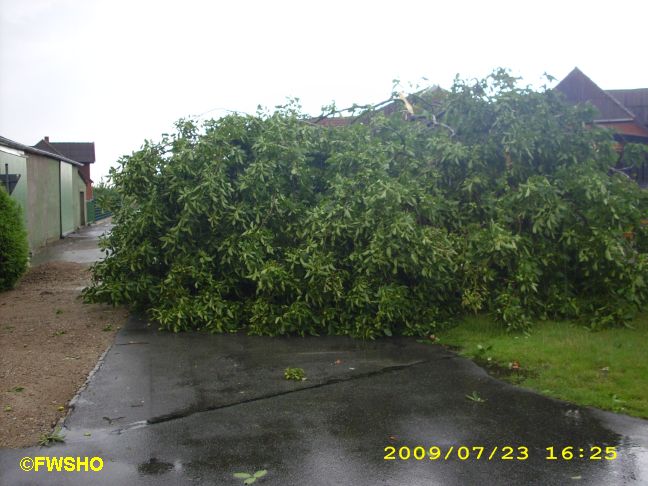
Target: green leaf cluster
x,y
250,478
14,249
296,374
273,225
106,196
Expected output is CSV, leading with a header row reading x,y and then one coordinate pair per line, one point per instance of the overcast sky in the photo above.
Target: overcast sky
x,y
117,72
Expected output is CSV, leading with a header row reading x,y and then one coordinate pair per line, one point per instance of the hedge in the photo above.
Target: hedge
x,y
14,248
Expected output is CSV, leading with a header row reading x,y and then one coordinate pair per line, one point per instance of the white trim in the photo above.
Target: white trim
x,y
11,151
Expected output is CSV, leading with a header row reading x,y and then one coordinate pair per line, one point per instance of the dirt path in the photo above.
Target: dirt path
x,y
49,342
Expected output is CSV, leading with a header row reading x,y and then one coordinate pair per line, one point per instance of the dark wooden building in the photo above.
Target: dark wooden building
x,y
623,110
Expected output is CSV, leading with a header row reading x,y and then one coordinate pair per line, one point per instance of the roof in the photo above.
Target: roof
x,y
36,151
339,121
636,100
80,151
578,88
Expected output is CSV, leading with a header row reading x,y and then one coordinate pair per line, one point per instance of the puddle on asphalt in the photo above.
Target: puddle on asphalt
x,y
153,467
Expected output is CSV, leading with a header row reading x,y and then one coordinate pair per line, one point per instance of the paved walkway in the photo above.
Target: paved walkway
x,y
194,409
79,247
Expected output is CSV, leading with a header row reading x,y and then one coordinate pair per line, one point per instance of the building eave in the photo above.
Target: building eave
x,y
31,150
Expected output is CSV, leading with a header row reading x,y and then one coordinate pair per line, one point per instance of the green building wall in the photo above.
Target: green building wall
x,y
51,194
43,215
17,165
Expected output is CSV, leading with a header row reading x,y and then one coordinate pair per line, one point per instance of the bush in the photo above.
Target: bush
x,y
14,249
106,197
274,225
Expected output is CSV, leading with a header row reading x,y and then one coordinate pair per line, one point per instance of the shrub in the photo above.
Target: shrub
x,y
274,225
14,249
106,196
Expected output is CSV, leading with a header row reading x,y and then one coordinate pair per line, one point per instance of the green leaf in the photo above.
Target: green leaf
x,y
261,473
250,480
242,475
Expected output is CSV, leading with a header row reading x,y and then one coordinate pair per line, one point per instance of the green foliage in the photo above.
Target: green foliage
x,y
250,478
107,196
273,225
296,374
634,155
49,439
14,249
474,397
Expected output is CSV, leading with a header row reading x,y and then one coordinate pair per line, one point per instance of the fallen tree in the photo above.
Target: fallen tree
x,y
486,198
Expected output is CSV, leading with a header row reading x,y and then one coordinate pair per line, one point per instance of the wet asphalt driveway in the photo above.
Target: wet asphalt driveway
x,y
81,246
195,408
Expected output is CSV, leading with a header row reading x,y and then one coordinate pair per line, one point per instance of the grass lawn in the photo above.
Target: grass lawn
x,y
606,369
